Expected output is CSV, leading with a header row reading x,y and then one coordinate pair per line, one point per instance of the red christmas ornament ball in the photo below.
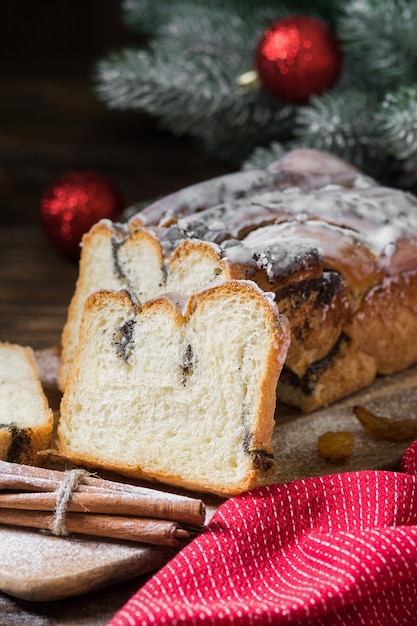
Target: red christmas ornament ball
x,y
72,204
298,57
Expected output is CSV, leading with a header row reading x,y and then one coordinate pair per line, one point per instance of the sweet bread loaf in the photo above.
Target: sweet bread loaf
x,y
26,421
146,260
338,251
178,391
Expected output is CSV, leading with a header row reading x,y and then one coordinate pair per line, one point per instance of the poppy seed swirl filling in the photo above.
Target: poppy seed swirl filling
x,y
20,441
261,459
308,381
123,340
187,364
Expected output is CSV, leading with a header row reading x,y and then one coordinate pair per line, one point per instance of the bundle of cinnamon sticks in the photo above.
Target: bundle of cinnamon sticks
x,y
70,502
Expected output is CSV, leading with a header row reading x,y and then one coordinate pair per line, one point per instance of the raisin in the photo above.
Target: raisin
x,y
336,447
385,427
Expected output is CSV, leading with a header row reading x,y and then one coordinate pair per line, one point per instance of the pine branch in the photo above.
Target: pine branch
x,y
187,79
197,93
378,38
152,18
254,119
146,17
197,56
398,122
344,123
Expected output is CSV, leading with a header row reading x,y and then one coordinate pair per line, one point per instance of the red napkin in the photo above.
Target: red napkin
x,y
334,550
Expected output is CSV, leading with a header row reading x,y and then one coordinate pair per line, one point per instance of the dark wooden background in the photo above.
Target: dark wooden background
x,y
51,123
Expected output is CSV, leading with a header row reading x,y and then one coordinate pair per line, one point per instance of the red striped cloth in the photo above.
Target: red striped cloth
x,y
334,550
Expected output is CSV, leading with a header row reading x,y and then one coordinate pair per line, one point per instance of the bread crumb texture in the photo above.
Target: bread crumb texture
x,y
186,397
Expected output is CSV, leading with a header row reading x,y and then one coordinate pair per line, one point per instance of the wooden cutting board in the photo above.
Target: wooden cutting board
x,y
36,566
39,567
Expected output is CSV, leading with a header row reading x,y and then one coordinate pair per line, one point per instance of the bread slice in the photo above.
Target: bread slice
x,y
114,258
97,267
26,421
183,394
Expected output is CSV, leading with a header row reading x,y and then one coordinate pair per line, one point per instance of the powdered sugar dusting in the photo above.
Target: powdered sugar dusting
x,y
43,553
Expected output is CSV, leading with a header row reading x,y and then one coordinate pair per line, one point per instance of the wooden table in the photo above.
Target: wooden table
x,y
36,285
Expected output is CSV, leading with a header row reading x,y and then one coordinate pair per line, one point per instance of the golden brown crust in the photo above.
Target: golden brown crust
x,y
252,480
147,236
385,324
190,249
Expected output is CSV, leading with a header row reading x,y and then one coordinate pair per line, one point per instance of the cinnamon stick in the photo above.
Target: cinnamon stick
x,y
149,531
152,503
108,502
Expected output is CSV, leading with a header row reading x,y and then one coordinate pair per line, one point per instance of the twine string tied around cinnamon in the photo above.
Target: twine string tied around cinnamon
x,y
64,494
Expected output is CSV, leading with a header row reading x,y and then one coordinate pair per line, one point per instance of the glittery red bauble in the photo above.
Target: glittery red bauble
x,y
72,204
298,57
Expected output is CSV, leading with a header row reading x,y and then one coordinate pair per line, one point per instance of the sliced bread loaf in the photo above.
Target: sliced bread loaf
x,y
183,394
26,421
173,244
